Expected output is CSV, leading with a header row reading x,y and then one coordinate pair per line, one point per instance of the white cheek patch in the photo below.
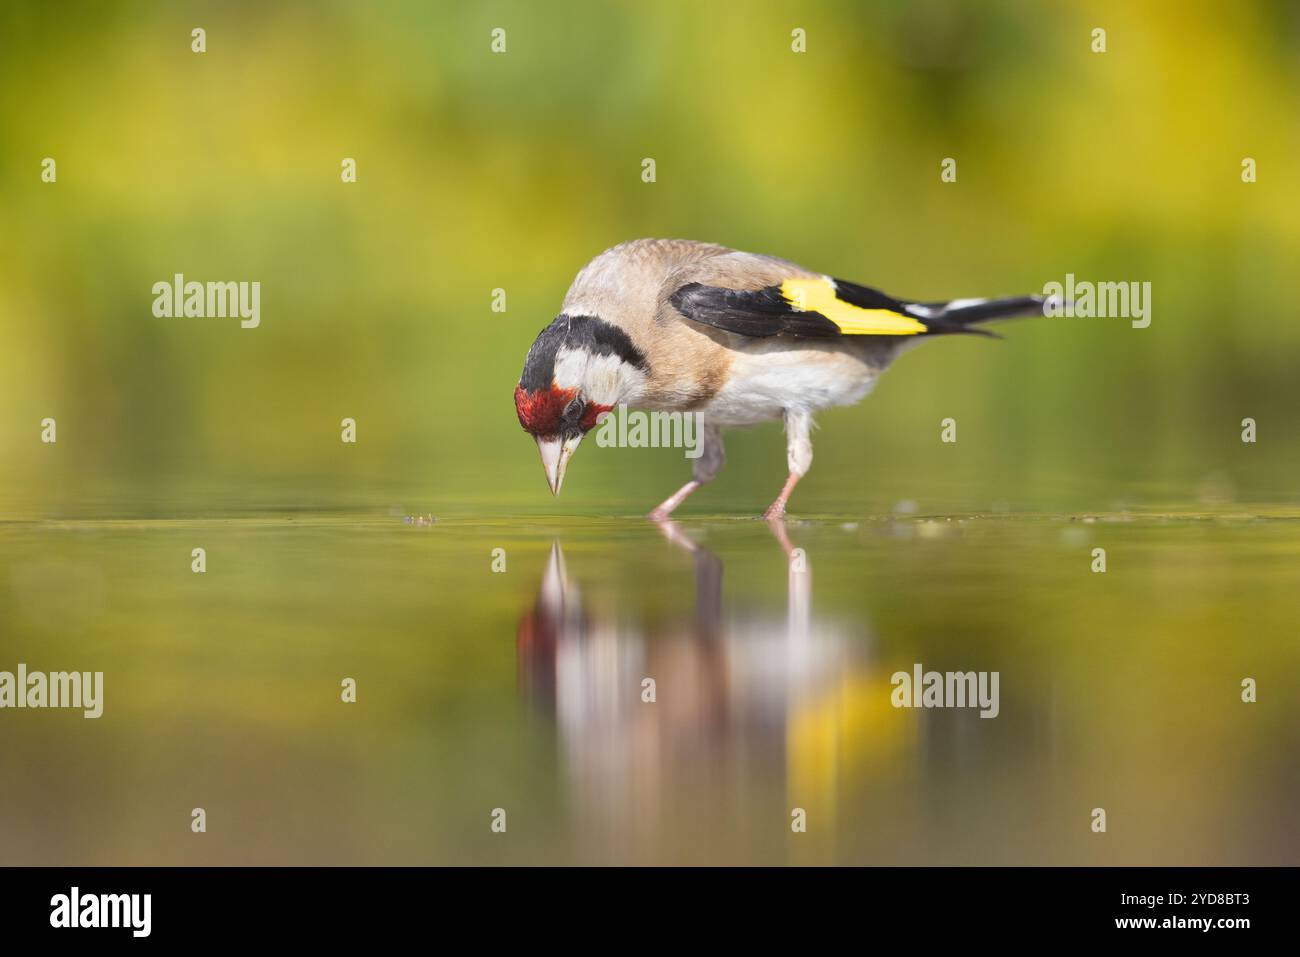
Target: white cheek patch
x,y
570,367
604,379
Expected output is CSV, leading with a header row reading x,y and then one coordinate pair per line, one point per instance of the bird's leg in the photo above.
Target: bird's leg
x,y
777,509
708,463
665,508
798,445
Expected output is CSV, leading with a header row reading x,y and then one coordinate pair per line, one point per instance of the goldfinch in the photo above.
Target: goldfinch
x,y
672,325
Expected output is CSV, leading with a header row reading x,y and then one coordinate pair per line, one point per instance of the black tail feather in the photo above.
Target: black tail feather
x,y
959,315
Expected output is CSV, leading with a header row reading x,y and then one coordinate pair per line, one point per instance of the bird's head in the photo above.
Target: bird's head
x,y
577,370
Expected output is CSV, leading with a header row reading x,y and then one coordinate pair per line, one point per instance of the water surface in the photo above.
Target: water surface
x,y
771,652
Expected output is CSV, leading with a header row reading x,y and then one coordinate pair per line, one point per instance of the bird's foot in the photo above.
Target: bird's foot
x,y
777,509
659,514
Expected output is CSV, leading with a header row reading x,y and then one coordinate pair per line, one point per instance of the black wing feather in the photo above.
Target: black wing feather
x,y
759,313
766,312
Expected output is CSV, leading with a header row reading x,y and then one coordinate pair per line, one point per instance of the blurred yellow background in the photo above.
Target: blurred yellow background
x,y
479,171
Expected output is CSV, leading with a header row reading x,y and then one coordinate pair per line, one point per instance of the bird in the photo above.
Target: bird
x,y
676,325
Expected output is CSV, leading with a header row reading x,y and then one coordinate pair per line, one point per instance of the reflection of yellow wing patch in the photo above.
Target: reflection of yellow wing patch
x,y
818,295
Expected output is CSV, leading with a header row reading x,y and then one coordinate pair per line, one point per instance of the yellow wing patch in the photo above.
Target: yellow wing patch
x,y
818,295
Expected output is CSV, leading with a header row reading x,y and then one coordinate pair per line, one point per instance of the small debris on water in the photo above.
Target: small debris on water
x,y
419,520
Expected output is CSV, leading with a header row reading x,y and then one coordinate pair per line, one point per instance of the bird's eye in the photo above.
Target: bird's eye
x,y
573,411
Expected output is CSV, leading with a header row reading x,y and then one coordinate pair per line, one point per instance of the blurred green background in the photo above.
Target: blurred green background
x,y
478,171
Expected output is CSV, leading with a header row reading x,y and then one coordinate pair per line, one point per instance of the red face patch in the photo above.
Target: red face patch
x,y
594,411
542,412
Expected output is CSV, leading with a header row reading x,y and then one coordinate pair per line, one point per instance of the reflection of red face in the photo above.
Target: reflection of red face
x,y
544,412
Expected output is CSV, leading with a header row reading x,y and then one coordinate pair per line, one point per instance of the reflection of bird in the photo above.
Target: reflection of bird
x,y
557,615
675,325
773,695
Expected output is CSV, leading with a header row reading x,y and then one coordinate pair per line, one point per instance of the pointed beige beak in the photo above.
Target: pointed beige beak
x,y
555,458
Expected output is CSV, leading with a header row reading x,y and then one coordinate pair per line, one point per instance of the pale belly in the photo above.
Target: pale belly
x,y
770,378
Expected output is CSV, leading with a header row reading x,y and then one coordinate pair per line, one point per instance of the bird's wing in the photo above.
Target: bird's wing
x,y
762,296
